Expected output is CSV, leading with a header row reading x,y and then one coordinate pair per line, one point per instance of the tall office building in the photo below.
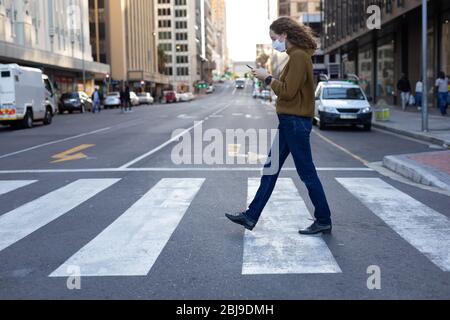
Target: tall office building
x,y
52,35
219,20
185,33
123,35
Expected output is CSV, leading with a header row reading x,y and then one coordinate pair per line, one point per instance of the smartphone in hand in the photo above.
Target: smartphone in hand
x,y
251,68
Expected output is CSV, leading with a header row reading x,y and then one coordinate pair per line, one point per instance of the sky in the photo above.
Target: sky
x,y
247,25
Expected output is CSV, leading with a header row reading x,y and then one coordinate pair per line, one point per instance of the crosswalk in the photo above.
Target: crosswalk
x,y
131,245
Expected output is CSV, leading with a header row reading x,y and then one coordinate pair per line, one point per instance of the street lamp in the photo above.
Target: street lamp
x,y
425,66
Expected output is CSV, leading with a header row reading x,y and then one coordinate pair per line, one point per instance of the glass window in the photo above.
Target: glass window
x,y
6,74
386,72
365,61
343,94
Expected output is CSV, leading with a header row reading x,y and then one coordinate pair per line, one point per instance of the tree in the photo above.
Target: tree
x,y
162,60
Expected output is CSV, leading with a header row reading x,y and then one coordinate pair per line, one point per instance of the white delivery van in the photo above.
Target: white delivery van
x,y
26,95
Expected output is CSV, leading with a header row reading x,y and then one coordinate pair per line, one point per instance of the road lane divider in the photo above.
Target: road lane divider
x,y
275,247
131,245
21,222
422,227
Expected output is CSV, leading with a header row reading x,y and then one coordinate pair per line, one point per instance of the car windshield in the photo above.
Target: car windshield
x,y
70,96
343,94
114,94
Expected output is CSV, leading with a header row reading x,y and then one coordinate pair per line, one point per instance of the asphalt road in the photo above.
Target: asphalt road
x,y
100,196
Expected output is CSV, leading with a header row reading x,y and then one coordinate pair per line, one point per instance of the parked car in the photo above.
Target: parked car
x,y
210,90
187,97
240,83
145,98
26,95
134,99
265,94
171,96
75,101
340,103
112,100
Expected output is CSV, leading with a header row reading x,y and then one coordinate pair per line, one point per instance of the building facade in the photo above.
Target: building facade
x,y
52,35
380,56
184,31
219,20
123,35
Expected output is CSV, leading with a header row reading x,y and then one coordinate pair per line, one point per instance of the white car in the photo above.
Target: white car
x,y
26,95
145,98
112,100
210,90
187,97
134,99
342,103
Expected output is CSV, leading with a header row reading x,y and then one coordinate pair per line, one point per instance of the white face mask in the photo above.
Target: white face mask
x,y
279,45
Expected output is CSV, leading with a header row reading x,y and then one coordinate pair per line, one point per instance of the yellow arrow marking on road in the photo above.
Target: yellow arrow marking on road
x,y
72,154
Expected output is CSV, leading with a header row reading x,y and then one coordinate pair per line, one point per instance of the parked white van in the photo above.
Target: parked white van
x,y
26,95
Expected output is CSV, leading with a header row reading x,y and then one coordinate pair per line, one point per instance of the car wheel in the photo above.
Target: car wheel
x,y
27,122
48,117
322,124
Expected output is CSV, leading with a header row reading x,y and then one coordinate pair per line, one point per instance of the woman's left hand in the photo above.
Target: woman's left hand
x,y
261,74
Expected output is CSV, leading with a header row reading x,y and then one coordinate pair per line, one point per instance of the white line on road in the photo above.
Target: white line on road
x,y
19,223
54,142
275,247
8,186
131,245
424,228
168,169
173,139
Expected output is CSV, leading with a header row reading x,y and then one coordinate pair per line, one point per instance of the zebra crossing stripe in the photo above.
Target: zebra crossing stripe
x,y
131,244
275,247
8,186
424,228
21,222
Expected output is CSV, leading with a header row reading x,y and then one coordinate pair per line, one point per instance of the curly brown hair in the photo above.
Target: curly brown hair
x,y
299,35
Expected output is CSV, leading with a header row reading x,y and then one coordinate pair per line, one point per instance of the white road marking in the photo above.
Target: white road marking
x,y
131,245
21,222
54,142
424,228
175,169
275,247
174,139
8,186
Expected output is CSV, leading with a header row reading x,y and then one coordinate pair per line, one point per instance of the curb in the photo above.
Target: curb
x,y
416,135
413,172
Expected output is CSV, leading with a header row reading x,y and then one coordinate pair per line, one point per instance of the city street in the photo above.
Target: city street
x,y
94,207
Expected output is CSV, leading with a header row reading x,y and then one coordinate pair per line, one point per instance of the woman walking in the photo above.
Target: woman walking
x,y
295,109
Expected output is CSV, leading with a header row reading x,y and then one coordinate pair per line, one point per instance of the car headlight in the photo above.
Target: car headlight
x,y
330,109
366,110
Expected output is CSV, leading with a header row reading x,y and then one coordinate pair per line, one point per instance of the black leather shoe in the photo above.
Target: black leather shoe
x,y
242,220
317,228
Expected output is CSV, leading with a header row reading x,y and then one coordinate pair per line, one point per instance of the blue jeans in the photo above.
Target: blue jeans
x,y
443,96
294,138
419,96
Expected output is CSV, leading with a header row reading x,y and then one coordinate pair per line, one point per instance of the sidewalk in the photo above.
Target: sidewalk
x,y
409,123
429,168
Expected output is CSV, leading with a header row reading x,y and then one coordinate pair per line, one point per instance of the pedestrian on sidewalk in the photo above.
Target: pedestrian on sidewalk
x,y
295,109
419,94
96,101
128,98
442,88
404,86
